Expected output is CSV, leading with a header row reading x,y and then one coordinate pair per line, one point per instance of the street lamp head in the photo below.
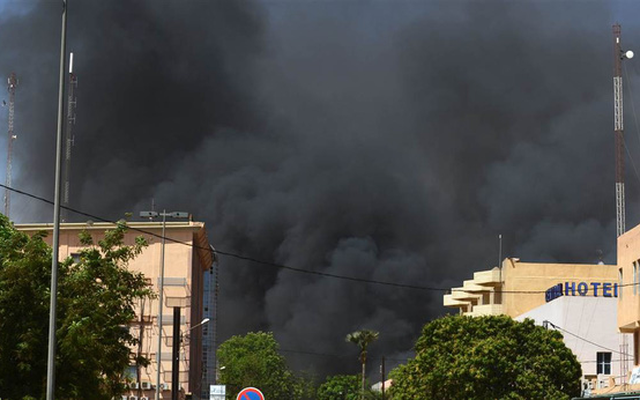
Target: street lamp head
x,y
179,214
204,321
148,214
628,54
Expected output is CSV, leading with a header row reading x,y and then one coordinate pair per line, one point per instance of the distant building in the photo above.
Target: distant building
x,y
185,266
377,387
518,287
578,299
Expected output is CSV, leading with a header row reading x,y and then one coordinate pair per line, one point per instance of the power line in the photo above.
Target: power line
x,y
586,340
268,263
233,255
314,353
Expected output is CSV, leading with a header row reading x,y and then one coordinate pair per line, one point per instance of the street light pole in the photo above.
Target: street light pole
x,y
164,215
175,357
160,306
51,353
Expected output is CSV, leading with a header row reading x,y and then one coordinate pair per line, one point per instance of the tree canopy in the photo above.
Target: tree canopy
x,y
493,357
340,387
253,360
95,305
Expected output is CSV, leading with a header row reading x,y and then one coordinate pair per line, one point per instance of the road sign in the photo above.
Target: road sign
x,y
217,392
250,393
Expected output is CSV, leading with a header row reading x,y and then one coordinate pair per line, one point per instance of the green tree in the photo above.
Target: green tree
x,y
494,357
253,360
363,339
95,304
340,387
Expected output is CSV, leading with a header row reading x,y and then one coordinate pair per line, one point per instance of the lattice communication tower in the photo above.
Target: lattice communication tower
x,y
12,83
69,138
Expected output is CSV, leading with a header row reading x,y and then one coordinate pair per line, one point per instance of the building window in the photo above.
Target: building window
x,y
604,363
75,257
636,347
131,373
620,287
635,278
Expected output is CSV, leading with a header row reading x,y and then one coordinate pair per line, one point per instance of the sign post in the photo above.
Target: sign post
x,y
250,393
217,392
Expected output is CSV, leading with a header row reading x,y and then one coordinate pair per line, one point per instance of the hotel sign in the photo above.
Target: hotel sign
x,y
594,289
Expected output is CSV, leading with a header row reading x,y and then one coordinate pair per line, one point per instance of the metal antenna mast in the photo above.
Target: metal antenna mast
x,y
12,83
69,139
618,125
618,130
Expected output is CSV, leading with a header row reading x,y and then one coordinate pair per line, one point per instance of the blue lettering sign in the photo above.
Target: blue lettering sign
x,y
553,292
572,287
582,288
606,289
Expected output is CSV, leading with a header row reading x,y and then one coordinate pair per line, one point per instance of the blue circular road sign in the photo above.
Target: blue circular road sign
x,y
250,393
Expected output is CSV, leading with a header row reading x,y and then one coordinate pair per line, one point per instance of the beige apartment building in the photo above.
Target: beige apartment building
x,y
629,277
187,257
517,287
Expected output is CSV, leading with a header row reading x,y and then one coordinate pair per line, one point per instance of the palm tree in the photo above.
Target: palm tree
x,y
362,339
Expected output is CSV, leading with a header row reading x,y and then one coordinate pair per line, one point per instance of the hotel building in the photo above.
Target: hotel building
x,y
580,300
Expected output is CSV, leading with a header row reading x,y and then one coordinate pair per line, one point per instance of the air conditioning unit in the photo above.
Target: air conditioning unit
x,y
134,385
123,397
133,397
602,382
146,385
164,386
144,398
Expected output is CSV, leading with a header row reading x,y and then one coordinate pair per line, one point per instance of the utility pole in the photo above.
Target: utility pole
x,y
382,374
164,214
175,354
55,241
12,82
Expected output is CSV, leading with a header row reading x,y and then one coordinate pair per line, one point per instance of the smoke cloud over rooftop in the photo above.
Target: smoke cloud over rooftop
x,y
381,140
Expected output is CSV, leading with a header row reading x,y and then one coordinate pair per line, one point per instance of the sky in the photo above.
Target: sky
x,y
384,140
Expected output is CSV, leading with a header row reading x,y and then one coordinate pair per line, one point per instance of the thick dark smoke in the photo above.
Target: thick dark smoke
x,y
382,140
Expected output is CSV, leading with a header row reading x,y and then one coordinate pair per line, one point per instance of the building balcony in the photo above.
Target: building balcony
x,y
472,286
463,295
486,309
449,301
489,278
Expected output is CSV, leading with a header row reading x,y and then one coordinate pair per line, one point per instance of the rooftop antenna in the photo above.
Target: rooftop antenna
x,y
12,82
69,138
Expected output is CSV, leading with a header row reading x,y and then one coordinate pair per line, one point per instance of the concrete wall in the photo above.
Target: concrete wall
x,y
523,276
589,319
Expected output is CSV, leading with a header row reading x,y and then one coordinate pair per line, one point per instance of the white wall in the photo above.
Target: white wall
x,y
590,318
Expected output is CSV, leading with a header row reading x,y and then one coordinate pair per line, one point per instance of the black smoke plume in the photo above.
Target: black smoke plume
x,y
381,140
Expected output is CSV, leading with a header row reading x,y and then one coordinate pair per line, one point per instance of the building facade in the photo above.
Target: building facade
x,y
580,300
187,257
589,327
517,287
